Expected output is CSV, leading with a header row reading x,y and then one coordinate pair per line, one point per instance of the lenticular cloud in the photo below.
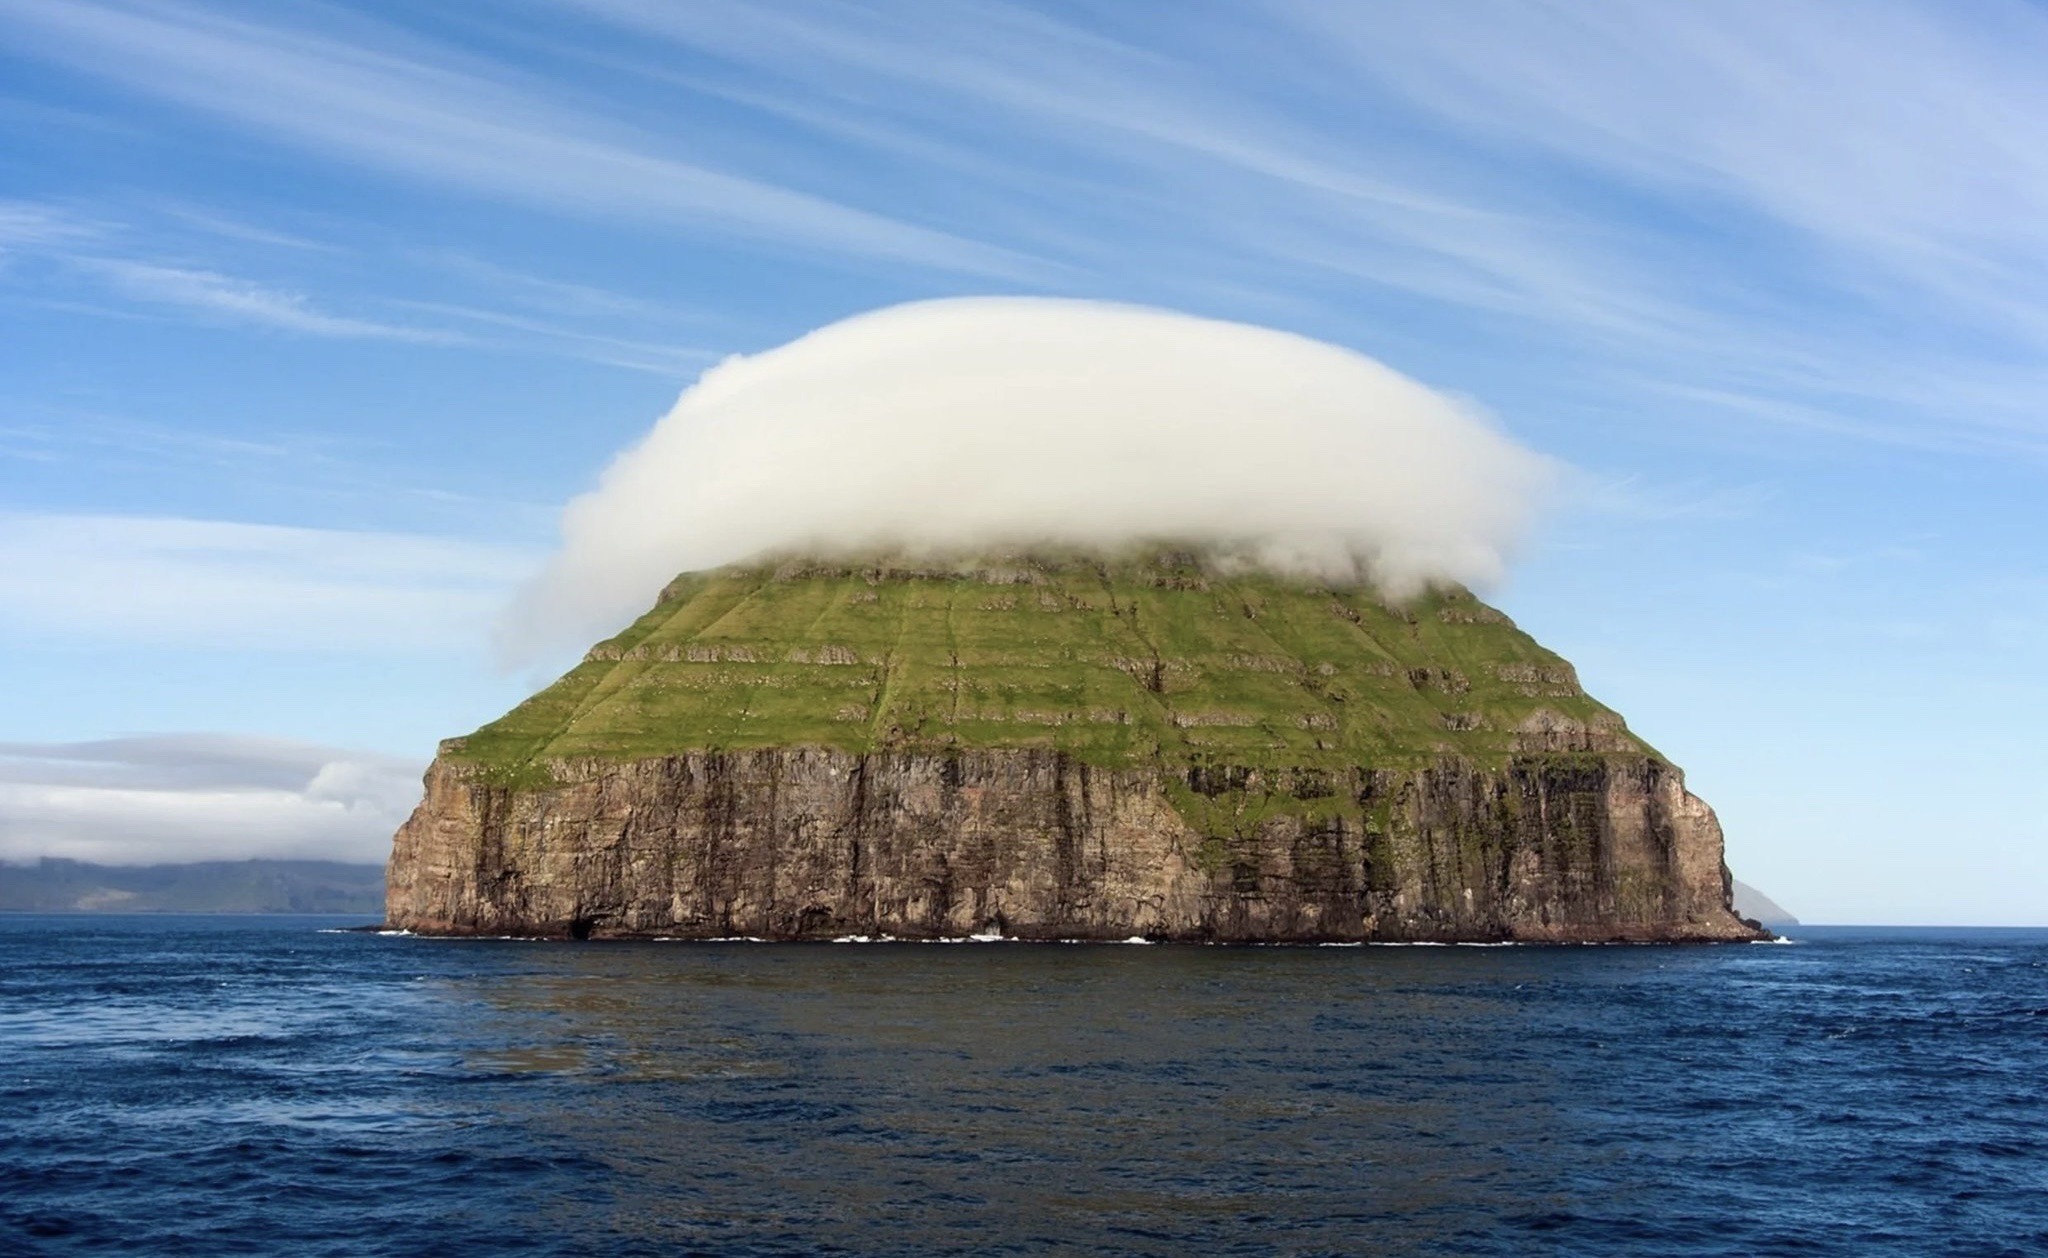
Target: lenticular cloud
x,y
983,421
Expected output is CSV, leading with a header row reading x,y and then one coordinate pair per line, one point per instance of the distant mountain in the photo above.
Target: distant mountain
x,y
1758,907
251,886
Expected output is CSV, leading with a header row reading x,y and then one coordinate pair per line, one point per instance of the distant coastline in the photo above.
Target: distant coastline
x,y
1755,905
54,885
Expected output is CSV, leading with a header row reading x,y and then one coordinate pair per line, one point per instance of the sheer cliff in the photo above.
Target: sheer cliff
x,y
1061,746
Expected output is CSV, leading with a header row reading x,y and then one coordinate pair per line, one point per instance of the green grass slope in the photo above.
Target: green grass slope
x,y
1158,657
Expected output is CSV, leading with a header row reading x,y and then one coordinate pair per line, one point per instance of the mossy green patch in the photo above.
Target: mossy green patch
x,y
1158,659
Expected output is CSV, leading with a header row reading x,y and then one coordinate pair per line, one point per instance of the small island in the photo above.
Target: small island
x,y
1061,745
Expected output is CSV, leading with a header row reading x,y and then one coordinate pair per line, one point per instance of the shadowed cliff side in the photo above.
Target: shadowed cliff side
x,y
1058,747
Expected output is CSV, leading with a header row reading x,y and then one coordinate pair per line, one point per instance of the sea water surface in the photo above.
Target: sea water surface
x,y
253,1085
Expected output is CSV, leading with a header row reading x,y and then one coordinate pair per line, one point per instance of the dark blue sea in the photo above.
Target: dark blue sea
x,y
254,1085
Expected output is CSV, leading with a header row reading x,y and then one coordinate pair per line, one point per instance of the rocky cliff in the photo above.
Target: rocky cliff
x,y
1061,747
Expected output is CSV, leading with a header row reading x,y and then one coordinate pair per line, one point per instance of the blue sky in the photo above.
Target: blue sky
x,y
313,315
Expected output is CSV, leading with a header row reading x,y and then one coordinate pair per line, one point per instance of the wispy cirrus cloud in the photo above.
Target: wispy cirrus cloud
x,y
1892,131
448,120
658,358
1280,176
1829,208
244,301
1832,210
529,291
112,255
227,227
37,225
102,246
218,583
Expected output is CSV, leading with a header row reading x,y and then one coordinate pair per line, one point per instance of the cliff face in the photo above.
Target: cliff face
x,y
808,843
1060,750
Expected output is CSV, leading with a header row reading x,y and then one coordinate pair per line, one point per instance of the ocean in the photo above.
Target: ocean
x,y
267,1085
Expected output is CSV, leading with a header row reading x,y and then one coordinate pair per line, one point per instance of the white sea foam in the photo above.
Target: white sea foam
x,y
1138,940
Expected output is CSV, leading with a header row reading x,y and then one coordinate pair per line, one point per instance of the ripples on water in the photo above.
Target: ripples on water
x,y
252,1085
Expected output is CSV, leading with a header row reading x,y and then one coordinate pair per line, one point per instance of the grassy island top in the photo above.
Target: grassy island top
x,y
1158,656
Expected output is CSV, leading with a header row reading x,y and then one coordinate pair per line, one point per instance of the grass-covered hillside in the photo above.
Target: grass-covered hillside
x,y
1117,662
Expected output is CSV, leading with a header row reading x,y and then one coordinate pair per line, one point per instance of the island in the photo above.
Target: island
x,y
1159,743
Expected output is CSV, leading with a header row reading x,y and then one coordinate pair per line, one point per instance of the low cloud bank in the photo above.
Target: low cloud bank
x,y
192,797
978,421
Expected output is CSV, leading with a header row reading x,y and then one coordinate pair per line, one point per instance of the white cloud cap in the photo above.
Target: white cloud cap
x,y
976,421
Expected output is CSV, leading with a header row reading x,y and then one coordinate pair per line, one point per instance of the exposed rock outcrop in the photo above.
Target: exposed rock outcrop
x,y
811,843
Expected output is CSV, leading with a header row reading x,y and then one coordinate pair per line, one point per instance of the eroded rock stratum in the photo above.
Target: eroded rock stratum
x,y
1061,747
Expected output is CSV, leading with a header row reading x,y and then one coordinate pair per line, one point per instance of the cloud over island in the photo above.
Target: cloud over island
x,y
978,421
